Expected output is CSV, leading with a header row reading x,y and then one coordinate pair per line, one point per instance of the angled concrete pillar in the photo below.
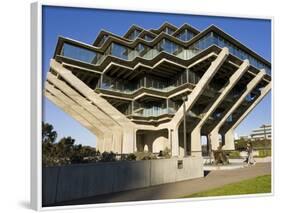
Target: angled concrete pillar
x,y
83,116
67,109
77,116
229,135
70,92
98,119
90,94
196,132
89,111
214,135
105,108
196,92
201,85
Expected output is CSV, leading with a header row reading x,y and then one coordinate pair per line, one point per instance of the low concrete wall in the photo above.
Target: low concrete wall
x,y
72,182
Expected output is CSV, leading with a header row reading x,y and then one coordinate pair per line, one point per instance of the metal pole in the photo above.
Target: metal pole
x,y
184,126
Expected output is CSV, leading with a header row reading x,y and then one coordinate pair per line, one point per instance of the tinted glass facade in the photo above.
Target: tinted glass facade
x,y
165,45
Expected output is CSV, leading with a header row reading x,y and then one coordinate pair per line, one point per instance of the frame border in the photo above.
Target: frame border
x,y
36,100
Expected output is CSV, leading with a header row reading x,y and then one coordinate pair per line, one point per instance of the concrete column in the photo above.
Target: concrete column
x,y
214,135
229,135
195,137
174,134
208,143
135,141
187,76
167,105
214,138
196,132
128,141
228,138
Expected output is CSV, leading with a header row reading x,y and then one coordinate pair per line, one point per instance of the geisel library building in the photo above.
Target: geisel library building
x,y
135,92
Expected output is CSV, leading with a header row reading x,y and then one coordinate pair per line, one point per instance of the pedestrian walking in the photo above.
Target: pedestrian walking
x,y
250,155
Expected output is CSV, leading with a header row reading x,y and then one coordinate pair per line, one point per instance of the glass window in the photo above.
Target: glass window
x,y
142,50
134,34
104,38
148,38
168,30
168,46
185,35
229,119
214,39
80,54
118,51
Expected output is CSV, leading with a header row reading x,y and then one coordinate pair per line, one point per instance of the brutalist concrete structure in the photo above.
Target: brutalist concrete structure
x,y
133,91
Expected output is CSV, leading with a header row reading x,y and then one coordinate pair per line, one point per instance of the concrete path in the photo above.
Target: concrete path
x,y
212,180
234,164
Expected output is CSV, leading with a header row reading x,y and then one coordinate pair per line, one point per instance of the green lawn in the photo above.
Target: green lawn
x,y
261,184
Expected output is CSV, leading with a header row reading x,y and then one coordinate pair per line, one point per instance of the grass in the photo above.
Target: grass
x,y
261,184
264,153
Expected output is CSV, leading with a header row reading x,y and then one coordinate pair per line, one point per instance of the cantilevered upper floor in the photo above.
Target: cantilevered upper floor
x,y
145,73
183,42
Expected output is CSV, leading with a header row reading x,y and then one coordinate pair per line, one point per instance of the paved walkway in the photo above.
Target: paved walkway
x,y
175,190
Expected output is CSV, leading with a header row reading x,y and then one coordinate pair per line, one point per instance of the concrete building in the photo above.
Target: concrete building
x,y
244,137
264,132
133,91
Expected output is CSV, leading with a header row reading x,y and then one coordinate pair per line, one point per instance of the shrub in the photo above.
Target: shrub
x,y
145,156
166,153
129,157
108,157
264,153
241,144
234,154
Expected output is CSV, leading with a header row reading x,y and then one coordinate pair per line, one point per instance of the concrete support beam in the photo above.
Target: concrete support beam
x,y
196,132
214,135
84,117
84,122
229,135
111,133
195,94
90,94
201,85
111,129
67,109
127,127
71,104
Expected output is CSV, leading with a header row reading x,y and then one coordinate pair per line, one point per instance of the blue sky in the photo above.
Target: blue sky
x,y
84,25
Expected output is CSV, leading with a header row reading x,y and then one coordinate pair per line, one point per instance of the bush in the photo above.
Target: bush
x,y
108,157
234,154
145,156
241,144
166,153
264,153
129,157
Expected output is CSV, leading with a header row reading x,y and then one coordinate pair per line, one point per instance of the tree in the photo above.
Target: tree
x,y
49,135
65,147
